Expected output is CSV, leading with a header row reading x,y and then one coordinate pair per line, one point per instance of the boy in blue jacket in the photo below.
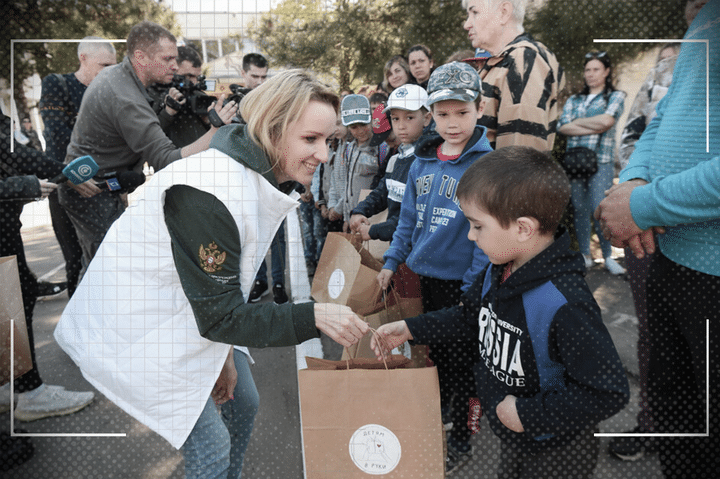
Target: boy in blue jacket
x,y
431,236
546,369
409,116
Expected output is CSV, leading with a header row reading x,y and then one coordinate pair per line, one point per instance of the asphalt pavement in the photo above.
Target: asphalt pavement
x,y
103,442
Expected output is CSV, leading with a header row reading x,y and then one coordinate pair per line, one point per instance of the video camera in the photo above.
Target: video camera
x,y
198,101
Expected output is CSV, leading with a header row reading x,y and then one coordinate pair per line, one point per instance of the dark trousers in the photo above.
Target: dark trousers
x,y
681,303
576,460
11,244
454,362
92,217
637,272
68,240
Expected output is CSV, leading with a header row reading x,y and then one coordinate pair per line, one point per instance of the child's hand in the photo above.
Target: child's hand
x,y
356,221
364,232
393,335
384,277
507,413
334,215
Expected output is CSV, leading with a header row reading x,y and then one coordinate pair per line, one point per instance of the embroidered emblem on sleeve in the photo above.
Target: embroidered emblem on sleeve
x,y
211,259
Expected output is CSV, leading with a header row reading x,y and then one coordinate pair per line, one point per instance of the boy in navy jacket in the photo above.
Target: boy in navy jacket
x,y
406,106
546,369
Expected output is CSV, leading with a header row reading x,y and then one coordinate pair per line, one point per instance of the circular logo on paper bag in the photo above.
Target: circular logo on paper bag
x,y
375,449
336,283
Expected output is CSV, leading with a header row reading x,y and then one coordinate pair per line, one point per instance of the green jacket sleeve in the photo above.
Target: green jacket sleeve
x,y
206,248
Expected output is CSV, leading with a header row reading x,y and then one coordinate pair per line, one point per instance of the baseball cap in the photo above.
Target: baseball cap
x,y
355,109
480,56
453,81
407,97
380,125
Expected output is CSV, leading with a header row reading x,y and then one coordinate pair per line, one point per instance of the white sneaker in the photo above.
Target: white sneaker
x,y
47,401
589,262
613,267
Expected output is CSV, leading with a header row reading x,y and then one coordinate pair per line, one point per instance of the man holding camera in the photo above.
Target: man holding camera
x,y
118,128
182,106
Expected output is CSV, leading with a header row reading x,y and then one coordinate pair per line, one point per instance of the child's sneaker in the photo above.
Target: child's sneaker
x,y
613,267
456,458
47,401
589,262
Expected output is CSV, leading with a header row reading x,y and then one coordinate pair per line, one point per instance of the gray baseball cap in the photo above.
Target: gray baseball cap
x,y
355,109
453,81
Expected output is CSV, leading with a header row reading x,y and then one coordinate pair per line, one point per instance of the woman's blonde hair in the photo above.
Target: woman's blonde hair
x,y
270,108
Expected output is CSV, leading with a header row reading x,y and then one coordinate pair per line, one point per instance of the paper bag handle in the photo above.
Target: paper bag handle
x,y
375,335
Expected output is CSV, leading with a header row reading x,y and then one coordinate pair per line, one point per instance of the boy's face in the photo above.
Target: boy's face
x,y
362,132
408,125
487,233
455,122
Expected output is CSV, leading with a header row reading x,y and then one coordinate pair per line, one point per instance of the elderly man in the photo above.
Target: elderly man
x,y
59,106
521,80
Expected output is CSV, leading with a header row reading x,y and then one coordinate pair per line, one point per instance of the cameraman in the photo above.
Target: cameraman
x,y
179,111
117,126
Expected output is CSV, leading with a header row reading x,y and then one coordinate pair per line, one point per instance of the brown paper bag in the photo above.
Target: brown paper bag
x,y
12,317
346,274
393,309
358,422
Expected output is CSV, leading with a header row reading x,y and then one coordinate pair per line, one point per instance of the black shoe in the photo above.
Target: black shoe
x,y
279,294
456,458
632,448
50,289
259,290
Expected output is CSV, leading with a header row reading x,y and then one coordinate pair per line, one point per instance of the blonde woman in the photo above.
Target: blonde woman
x,y
152,322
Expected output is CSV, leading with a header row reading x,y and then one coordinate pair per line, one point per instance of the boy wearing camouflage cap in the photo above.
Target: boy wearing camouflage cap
x,y
359,162
432,232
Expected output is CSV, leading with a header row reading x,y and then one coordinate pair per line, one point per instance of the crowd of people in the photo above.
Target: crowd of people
x,y
458,155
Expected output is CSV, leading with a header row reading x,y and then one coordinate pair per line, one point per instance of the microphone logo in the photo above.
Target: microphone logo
x,y
85,171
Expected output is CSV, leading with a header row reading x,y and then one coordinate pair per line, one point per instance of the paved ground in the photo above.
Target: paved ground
x,y
275,448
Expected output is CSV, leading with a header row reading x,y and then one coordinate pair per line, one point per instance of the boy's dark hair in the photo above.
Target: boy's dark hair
x,y
145,36
254,59
189,54
378,97
517,181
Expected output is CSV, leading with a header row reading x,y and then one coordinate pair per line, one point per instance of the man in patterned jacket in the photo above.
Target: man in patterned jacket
x,y
521,80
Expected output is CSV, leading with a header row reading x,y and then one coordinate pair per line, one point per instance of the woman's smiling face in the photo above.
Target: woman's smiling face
x,y
304,143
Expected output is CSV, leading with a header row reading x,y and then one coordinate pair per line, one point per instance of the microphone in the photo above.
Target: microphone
x,y
125,181
77,171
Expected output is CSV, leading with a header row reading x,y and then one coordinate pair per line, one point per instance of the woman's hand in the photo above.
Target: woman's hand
x,y
226,382
340,323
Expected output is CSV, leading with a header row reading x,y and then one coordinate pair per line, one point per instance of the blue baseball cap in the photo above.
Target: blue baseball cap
x,y
355,109
453,81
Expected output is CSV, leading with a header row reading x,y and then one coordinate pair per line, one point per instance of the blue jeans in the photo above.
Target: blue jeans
x,y
586,196
277,258
216,446
314,230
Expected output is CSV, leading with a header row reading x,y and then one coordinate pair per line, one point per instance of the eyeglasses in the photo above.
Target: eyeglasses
x,y
595,54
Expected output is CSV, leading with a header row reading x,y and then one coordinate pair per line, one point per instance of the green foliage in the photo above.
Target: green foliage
x,y
352,40
568,28
68,19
